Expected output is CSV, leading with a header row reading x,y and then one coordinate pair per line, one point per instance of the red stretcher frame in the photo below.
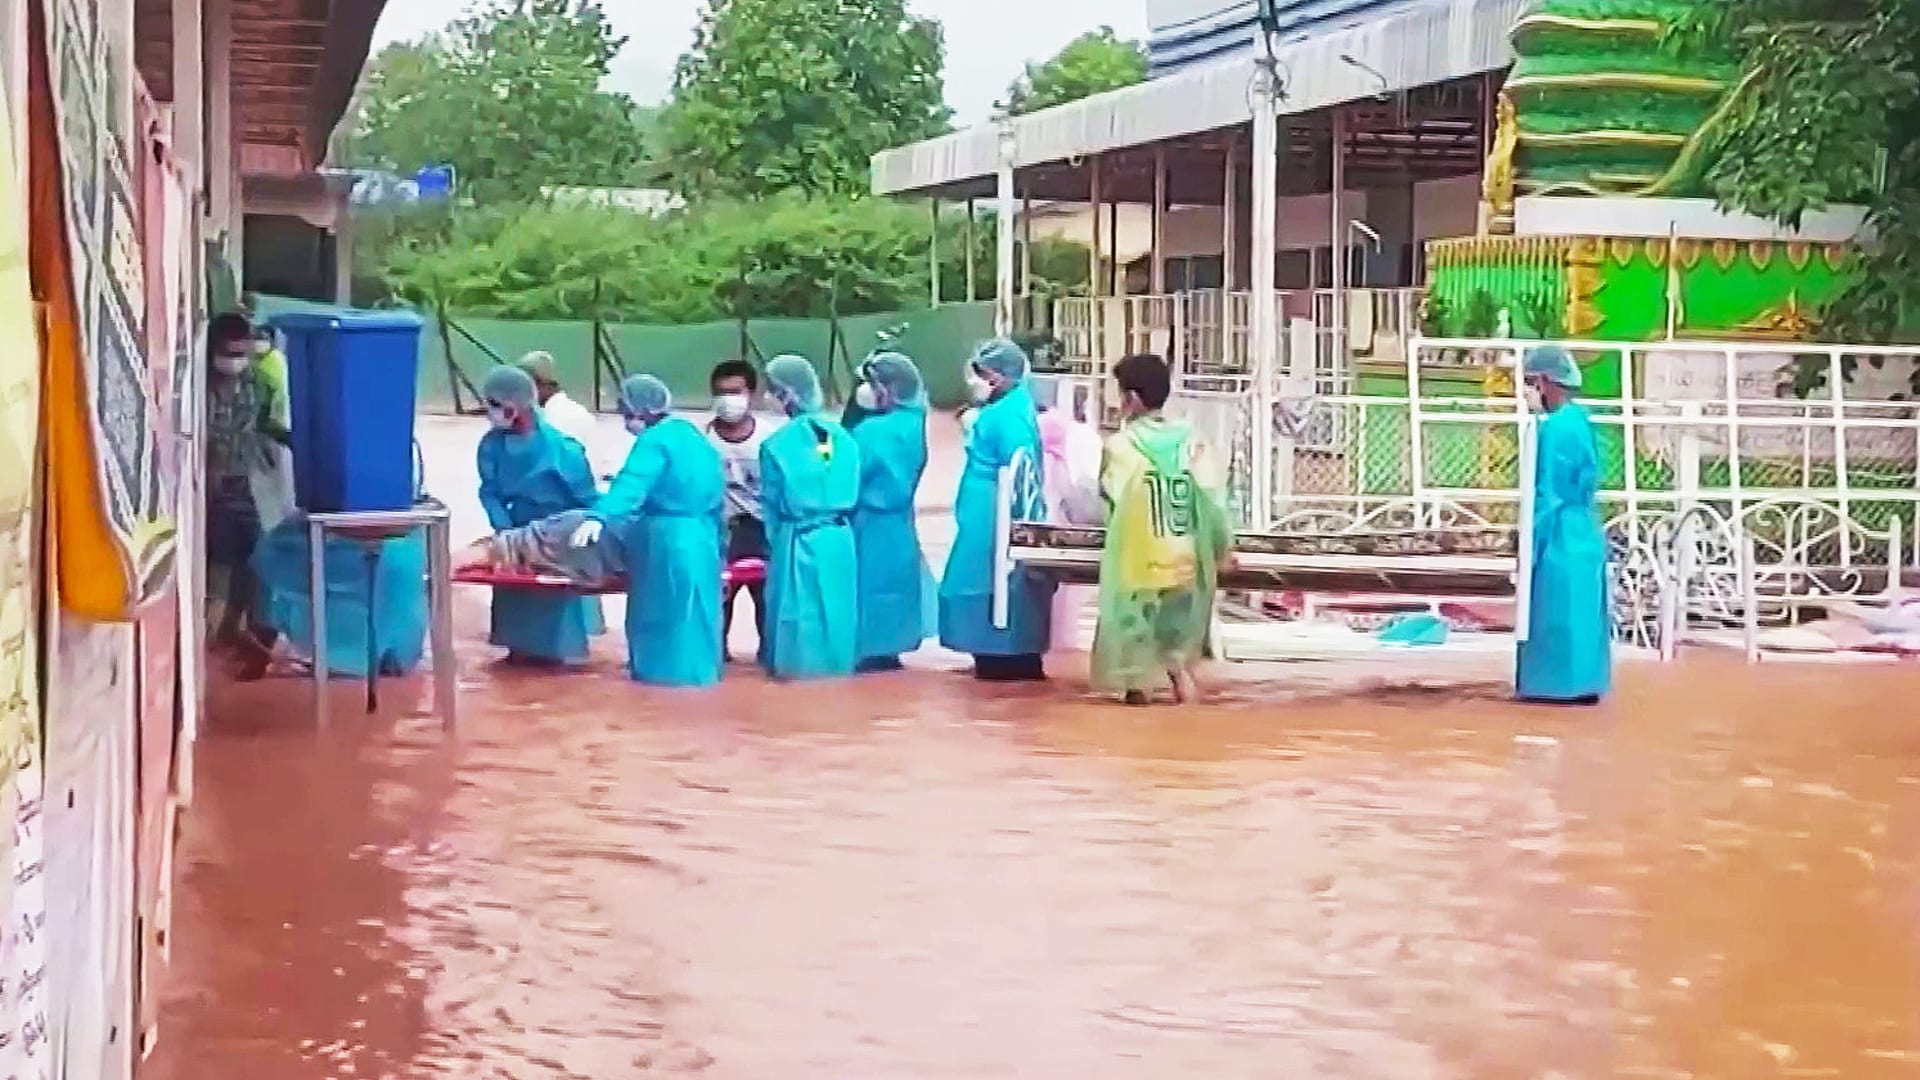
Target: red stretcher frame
x,y
733,576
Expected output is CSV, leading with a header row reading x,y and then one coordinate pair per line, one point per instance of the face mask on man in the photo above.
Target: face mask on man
x,y
731,408
500,416
261,346
865,398
230,363
978,388
636,426
1530,393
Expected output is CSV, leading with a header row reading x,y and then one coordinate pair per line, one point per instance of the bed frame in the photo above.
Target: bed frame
x,y
1481,562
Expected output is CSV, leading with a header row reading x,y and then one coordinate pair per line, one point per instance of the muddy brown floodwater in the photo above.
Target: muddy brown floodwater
x,y
907,877
1712,875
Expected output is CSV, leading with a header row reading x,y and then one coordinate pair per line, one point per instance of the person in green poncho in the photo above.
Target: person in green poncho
x,y
1167,536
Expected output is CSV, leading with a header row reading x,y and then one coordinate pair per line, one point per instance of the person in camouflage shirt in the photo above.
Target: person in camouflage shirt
x,y
242,427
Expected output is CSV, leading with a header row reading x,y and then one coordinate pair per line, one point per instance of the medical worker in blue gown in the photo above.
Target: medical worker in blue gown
x,y
1006,430
528,470
895,586
1568,655
665,510
809,488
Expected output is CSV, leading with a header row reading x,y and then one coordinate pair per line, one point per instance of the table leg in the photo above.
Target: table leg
x,y
317,616
373,642
440,596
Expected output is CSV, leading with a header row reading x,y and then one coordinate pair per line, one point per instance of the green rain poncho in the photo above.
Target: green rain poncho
x,y
1167,532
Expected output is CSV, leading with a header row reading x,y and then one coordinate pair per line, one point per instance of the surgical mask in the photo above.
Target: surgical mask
x,y
231,364
978,388
731,407
262,347
1531,395
865,398
636,426
500,417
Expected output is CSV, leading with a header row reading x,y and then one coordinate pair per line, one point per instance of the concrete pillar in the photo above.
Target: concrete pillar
x,y
972,233
1097,199
220,142
1157,273
1338,248
1263,333
343,259
933,256
1230,219
190,93
1026,245
1005,213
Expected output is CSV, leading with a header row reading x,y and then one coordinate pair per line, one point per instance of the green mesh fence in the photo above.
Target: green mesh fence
x,y
939,339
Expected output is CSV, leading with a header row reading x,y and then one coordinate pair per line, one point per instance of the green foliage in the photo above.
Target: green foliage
x,y
1093,63
510,96
1831,114
781,95
784,256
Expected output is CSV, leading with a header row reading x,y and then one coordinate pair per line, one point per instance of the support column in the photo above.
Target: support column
x,y
190,94
1263,333
1025,287
1097,199
343,258
1157,273
1005,214
1229,220
933,256
973,244
1337,340
220,160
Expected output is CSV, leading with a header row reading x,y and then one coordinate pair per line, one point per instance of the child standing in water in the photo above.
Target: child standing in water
x,y
1167,535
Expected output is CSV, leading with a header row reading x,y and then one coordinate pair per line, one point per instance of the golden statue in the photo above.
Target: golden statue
x,y
1497,190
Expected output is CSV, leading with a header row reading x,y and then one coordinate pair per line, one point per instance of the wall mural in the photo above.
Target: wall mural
x,y
94,104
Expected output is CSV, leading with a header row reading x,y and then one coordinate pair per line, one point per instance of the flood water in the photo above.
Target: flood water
x,y
1711,875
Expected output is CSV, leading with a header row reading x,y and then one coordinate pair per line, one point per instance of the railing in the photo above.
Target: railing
x,y
1209,331
1678,424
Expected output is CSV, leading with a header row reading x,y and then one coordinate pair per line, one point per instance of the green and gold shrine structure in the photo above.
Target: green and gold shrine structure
x,y
1596,223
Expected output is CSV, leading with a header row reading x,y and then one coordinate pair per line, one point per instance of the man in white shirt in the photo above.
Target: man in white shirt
x,y
737,433
567,416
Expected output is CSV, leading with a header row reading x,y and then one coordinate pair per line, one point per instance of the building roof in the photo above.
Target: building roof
x,y
295,65
1416,46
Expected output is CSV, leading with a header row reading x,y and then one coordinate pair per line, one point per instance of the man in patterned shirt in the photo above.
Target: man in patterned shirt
x,y
241,431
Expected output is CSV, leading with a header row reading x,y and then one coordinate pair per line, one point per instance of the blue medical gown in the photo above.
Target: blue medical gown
x,y
1000,429
809,487
1568,654
396,593
895,584
666,508
524,478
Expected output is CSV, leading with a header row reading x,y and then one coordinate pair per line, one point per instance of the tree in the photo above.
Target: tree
x,y
1093,63
510,96
800,94
1829,112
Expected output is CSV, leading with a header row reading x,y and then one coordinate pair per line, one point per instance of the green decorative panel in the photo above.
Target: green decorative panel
x,y
1602,106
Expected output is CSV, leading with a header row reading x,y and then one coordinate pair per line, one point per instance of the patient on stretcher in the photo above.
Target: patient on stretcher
x,y
545,549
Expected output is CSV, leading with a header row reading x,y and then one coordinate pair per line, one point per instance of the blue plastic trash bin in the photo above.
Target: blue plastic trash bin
x,y
352,377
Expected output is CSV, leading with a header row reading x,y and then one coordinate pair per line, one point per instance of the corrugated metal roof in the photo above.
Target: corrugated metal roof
x,y
1415,45
1230,30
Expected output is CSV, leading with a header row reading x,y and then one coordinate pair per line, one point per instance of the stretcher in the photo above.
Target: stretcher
x,y
735,575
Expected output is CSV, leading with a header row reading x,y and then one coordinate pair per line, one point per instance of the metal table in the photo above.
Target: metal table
x,y
373,527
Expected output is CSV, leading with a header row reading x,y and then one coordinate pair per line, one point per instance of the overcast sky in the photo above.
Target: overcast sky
x,y
987,40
